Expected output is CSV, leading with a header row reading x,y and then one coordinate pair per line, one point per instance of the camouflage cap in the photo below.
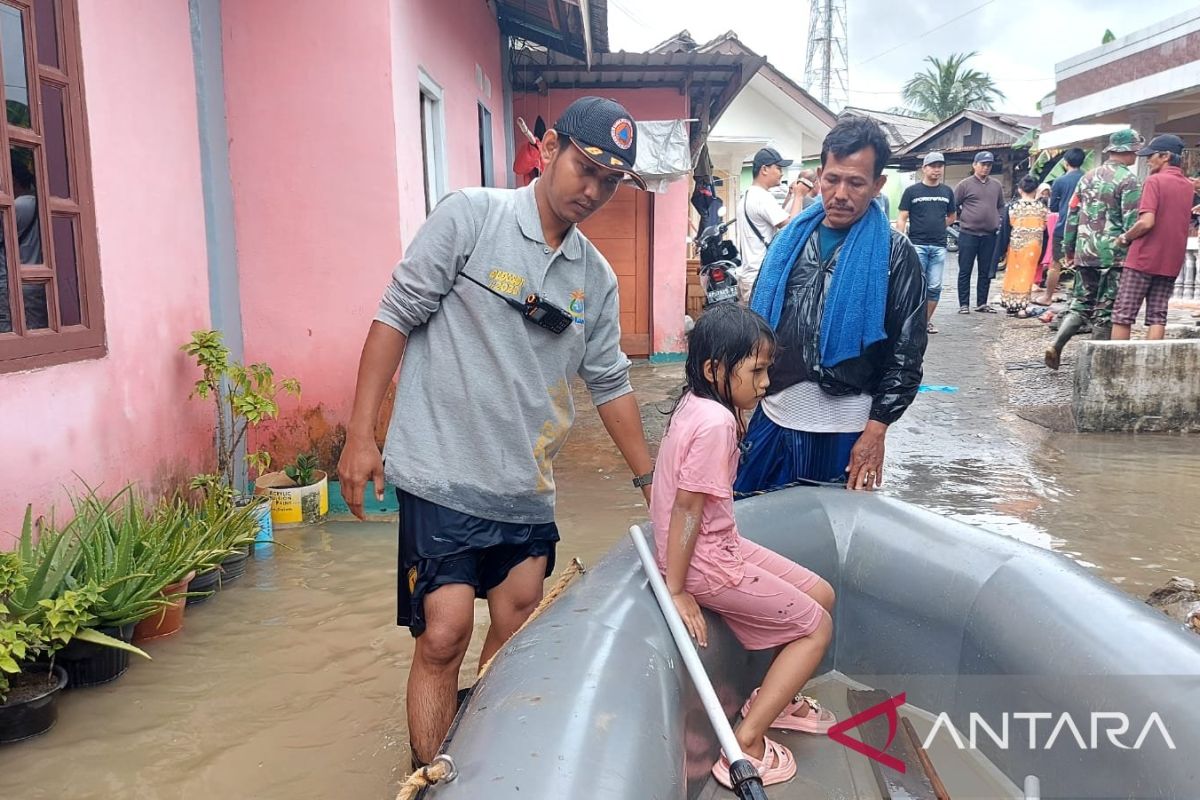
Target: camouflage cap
x,y
1126,141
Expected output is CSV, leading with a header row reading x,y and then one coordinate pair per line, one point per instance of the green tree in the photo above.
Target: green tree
x,y
1108,36
947,87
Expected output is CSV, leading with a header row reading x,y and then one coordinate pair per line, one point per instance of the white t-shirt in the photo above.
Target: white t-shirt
x,y
805,407
759,207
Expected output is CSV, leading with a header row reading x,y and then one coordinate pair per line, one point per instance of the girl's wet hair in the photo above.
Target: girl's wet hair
x,y
727,334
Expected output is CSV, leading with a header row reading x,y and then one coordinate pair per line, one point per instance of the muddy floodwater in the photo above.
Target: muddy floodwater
x,y
289,684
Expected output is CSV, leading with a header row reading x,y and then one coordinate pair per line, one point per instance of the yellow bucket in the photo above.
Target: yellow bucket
x,y
295,505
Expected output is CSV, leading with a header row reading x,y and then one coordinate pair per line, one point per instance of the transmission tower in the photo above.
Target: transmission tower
x,y
827,65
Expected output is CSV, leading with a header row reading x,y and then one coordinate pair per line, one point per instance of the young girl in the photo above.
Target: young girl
x,y
768,601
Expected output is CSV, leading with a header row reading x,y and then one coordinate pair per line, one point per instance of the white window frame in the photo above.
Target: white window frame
x,y
433,138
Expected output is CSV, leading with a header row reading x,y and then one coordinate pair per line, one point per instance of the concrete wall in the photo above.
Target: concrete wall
x,y
763,111
670,226
1138,386
325,150
125,417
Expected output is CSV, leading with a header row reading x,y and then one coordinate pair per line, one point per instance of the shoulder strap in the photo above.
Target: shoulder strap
x,y
750,222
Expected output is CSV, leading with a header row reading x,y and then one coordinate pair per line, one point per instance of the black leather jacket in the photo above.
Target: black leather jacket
x,y
889,370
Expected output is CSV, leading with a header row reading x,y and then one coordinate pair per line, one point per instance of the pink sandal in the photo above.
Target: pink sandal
x,y
813,720
778,765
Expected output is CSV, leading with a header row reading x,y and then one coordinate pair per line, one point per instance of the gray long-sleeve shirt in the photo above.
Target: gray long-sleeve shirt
x,y
483,401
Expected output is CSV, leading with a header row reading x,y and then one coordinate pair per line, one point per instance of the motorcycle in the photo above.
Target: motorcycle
x,y
718,260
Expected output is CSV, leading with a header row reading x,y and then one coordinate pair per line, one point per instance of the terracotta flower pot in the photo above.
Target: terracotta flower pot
x,y
170,619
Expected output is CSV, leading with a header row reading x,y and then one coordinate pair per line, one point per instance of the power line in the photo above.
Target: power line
x,y
926,33
625,10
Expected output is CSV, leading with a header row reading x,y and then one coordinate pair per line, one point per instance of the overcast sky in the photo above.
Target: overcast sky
x,y
1019,41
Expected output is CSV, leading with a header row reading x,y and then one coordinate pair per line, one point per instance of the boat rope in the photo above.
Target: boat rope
x,y
440,769
574,569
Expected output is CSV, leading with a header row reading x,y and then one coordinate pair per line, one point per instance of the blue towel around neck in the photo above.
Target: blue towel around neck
x,y
855,305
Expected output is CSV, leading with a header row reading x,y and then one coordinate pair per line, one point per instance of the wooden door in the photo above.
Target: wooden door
x,y
621,232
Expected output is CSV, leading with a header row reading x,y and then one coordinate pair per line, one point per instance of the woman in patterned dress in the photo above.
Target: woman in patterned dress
x,y
1027,221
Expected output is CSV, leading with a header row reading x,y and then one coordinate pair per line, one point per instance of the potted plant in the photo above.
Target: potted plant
x,y
299,494
143,558
244,397
38,617
233,528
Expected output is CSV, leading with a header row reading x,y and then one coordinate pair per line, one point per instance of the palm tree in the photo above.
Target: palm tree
x,y
946,88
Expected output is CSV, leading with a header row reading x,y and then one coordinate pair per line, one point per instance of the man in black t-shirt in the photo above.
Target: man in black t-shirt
x,y
926,209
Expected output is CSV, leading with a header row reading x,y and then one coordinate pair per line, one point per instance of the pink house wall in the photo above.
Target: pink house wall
x,y
125,417
325,151
445,39
670,224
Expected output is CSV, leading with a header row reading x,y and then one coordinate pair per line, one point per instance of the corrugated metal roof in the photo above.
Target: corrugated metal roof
x,y
561,29
900,128
633,70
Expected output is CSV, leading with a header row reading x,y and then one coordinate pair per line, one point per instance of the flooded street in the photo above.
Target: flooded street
x,y
290,683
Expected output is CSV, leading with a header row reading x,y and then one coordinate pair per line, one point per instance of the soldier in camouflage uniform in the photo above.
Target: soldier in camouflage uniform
x,y
1104,206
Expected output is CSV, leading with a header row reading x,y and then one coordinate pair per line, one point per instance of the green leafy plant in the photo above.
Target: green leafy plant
x,y
244,396
133,552
302,471
38,614
234,521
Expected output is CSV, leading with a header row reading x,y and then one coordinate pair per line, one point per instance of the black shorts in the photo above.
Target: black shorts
x,y
441,546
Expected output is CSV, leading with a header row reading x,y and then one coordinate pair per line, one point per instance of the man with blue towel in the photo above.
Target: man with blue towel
x,y
846,297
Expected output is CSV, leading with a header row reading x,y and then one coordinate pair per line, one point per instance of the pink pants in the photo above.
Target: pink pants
x,y
768,607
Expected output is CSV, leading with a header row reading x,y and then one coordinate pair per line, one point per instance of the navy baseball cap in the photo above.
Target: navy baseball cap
x,y
1164,143
984,157
768,156
604,132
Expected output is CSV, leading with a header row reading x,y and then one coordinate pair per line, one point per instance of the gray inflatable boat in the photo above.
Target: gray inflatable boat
x,y
1022,676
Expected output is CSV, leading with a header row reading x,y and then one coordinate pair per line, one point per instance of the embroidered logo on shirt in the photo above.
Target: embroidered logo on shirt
x,y
576,307
622,133
506,282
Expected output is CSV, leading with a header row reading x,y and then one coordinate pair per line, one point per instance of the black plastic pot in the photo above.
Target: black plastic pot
x,y
28,718
89,664
206,581
232,568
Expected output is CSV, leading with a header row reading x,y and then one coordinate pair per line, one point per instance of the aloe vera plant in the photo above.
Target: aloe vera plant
x,y
134,552
39,614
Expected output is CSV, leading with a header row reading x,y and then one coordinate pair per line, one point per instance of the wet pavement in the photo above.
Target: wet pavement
x,y
289,684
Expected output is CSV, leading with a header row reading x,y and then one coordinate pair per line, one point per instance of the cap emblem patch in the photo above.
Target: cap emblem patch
x,y
622,133
593,151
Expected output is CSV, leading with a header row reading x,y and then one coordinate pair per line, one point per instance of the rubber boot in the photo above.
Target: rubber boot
x,y
1101,331
1069,328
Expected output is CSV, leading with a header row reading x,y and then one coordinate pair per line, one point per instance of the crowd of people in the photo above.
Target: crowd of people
x,y
1121,239
824,352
